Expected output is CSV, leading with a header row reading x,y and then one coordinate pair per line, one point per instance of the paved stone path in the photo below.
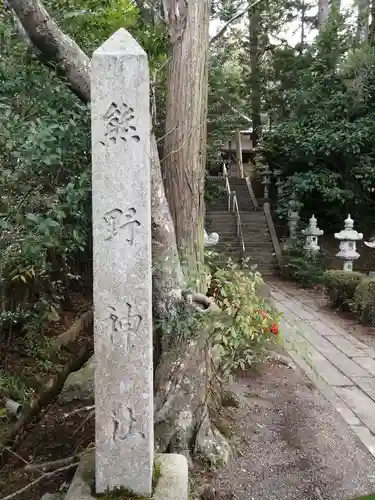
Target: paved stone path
x,y
342,367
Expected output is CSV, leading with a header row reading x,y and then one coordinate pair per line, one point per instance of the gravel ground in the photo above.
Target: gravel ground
x,y
290,444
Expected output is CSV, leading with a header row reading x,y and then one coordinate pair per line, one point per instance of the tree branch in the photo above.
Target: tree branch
x,y
54,45
59,48
242,115
231,21
45,475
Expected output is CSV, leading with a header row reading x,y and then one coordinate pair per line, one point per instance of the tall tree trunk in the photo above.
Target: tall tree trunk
x,y
363,20
323,13
335,6
255,84
186,127
182,375
303,14
372,25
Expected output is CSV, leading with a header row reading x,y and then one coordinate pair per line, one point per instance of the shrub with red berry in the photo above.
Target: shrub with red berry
x,y
246,323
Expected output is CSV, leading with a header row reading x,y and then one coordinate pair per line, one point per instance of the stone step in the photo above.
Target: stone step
x,y
245,218
263,256
269,262
218,213
251,243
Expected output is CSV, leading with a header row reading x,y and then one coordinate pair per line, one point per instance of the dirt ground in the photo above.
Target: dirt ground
x,y
55,433
62,432
290,444
31,367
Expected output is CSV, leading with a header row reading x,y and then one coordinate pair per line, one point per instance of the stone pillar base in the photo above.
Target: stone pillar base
x,y
172,483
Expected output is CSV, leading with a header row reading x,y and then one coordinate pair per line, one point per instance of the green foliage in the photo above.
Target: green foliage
x,y
323,142
227,105
246,324
212,190
340,286
44,183
14,388
45,205
364,301
306,268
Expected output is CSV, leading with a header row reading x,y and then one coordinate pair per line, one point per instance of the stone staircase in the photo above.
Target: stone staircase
x,y
258,244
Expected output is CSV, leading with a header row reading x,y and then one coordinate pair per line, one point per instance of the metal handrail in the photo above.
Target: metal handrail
x,y
232,196
227,186
238,221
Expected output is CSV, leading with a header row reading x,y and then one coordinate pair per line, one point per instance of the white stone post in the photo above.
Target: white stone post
x,y
312,233
121,202
348,238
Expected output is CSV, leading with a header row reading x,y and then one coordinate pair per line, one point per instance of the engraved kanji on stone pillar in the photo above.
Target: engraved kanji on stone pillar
x,y
121,201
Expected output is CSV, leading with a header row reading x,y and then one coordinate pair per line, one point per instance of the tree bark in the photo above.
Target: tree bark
x,y
303,14
186,119
182,420
372,25
239,161
54,45
323,13
363,20
255,84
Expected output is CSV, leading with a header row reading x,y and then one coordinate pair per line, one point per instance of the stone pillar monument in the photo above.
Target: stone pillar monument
x,y
121,202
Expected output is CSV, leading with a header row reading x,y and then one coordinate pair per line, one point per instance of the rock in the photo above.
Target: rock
x,y
79,385
212,445
207,492
50,496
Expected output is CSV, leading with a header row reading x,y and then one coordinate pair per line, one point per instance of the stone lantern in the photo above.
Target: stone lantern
x,y
266,181
293,218
348,238
312,233
263,169
279,182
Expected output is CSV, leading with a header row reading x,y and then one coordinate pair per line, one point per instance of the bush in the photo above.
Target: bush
x,y
213,189
247,323
305,268
340,286
364,301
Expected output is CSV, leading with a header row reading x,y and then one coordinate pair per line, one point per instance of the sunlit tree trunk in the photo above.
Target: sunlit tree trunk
x,y
303,13
186,127
363,20
255,76
323,13
372,25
